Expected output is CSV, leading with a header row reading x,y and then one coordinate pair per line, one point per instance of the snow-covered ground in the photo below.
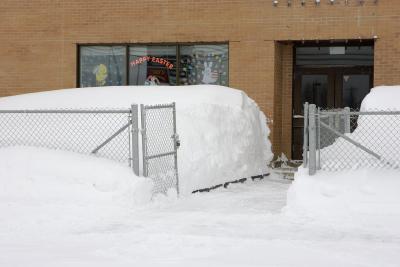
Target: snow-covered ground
x,y
365,200
65,209
238,226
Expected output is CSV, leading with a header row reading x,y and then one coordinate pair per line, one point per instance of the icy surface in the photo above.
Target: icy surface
x,y
224,135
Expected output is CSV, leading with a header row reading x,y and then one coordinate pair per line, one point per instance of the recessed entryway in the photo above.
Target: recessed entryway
x,y
330,76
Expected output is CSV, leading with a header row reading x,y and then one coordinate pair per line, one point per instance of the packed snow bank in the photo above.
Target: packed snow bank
x,y
43,176
382,98
369,196
378,133
358,198
223,133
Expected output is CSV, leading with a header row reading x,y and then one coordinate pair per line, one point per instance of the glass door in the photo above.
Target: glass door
x,y
314,86
337,87
352,87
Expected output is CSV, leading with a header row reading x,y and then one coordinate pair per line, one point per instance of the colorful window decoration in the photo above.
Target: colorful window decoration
x,y
102,66
154,65
204,64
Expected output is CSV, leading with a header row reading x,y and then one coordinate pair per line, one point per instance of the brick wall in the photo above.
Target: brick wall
x,y
287,78
38,40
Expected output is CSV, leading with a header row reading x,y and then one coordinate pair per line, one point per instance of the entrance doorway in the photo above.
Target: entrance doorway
x,y
328,78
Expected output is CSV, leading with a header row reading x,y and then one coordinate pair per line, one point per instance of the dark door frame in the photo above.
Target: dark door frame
x,y
335,87
335,74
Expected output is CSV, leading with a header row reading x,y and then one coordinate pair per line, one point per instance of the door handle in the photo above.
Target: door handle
x,y
298,117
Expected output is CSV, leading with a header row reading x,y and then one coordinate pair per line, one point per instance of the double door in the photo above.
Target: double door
x,y
326,88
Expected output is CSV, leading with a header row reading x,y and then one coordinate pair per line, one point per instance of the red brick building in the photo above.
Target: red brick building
x,y
281,52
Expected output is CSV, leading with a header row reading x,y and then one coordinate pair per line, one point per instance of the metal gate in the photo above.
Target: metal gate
x,y
159,145
108,133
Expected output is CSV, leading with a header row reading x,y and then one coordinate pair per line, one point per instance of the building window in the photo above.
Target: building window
x,y
154,65
102,66
204,64
335,55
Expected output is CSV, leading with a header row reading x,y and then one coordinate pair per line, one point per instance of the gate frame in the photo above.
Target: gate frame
x,y
175,138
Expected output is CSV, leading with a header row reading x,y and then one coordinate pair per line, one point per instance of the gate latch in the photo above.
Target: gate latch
x,y
176,140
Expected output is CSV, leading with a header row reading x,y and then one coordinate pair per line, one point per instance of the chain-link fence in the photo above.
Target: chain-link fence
x,y
340,139
82,131
160,143
111,133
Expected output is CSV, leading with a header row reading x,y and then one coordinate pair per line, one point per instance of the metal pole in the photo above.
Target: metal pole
x,y
331,119
144,140
337,121
175,148
305,136
362,147
120,130
312,140
130,134
347,116
135,139
318,132
66,111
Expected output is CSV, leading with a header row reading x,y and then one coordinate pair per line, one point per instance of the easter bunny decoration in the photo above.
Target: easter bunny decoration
x,y
208,75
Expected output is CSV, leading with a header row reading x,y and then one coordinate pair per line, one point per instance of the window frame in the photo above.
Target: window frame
x,y
127,45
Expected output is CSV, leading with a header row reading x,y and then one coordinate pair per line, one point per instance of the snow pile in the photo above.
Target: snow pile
x,y
38,175
223,133
382,98
361,199
46,191
379,133
368,197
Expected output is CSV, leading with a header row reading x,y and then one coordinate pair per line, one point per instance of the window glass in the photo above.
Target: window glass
x,y
102,65
152,65
314,89
355,88
203,64
349,55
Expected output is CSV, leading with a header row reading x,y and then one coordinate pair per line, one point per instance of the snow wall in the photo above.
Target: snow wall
x,y
224,135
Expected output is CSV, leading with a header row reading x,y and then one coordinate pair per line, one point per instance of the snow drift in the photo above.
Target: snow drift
x,y
366,197
43,190
223,133
382,98
39,175
376,132
361,199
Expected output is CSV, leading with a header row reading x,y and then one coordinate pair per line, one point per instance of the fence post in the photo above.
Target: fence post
x,y
347,120
312,165
318,138
305,136
331,120
135,139
175,148
337,121
144,140
130,139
